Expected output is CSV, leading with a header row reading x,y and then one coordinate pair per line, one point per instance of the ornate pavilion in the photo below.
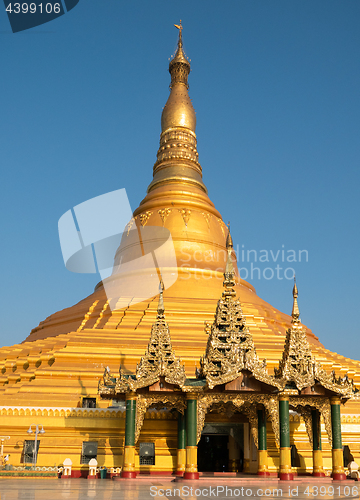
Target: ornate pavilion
x,y
253,390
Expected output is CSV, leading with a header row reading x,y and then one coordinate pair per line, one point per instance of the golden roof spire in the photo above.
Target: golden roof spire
x,y
230,348
295,310
229,241
229,274
161,307
159,359
177,158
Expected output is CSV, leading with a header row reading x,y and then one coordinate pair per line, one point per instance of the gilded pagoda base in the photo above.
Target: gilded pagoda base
x,y
71,427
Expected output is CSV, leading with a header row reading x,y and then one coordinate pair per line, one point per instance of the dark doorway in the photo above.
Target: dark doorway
x,y
213,453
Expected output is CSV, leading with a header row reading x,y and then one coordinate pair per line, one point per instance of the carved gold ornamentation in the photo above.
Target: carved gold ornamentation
x,y
298,365
106,385
155,401
230,347
303,406
185,213
122,383
159,360
145,217
340,385
110,386
246,403
164,213
207,217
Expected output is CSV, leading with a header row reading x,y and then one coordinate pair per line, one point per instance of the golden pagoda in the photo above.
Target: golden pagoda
x,y
82,373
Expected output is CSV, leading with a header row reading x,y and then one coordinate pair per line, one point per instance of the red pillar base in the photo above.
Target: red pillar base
x,y
179,473
338,476
92,476
319,474
263,473
128,474
191,475
286,476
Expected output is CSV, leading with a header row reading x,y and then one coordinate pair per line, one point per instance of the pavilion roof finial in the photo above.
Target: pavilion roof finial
x,y
295,310
229,274
161,307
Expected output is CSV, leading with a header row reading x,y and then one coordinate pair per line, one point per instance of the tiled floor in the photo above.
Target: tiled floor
x,y
161,488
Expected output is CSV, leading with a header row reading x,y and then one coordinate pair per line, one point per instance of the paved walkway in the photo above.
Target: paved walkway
x,y
162,488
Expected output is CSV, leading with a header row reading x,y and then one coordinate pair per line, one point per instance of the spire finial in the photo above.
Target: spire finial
x,y
229,241
179,67
295,310
161,307
180,28
229,274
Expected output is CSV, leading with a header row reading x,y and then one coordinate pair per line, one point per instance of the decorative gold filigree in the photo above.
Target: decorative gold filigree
x,y
185,213
111,386
145,217
298,365
230,347
164,214
144,402
106,386
159,360
246,403
122,383
303,406
251,413
340,385
305,412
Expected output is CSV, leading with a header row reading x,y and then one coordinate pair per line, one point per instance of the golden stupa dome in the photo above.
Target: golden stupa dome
x,y
179,111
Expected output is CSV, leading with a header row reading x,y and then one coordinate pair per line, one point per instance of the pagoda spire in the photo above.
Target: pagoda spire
x,y
159,359
295,310
298,367
177,157
161,307
297,364
229,274
230,348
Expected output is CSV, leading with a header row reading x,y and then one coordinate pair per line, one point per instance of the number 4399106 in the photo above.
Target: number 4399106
x,y
339,491
24,8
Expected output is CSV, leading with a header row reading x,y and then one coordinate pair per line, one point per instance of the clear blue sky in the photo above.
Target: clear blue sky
x,y
275,85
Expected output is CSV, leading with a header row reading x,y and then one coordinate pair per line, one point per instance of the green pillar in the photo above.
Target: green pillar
x,y
262,445
128,470
318,470
285,450
191,422
191,471
181,452
130,422
181,431
337,453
